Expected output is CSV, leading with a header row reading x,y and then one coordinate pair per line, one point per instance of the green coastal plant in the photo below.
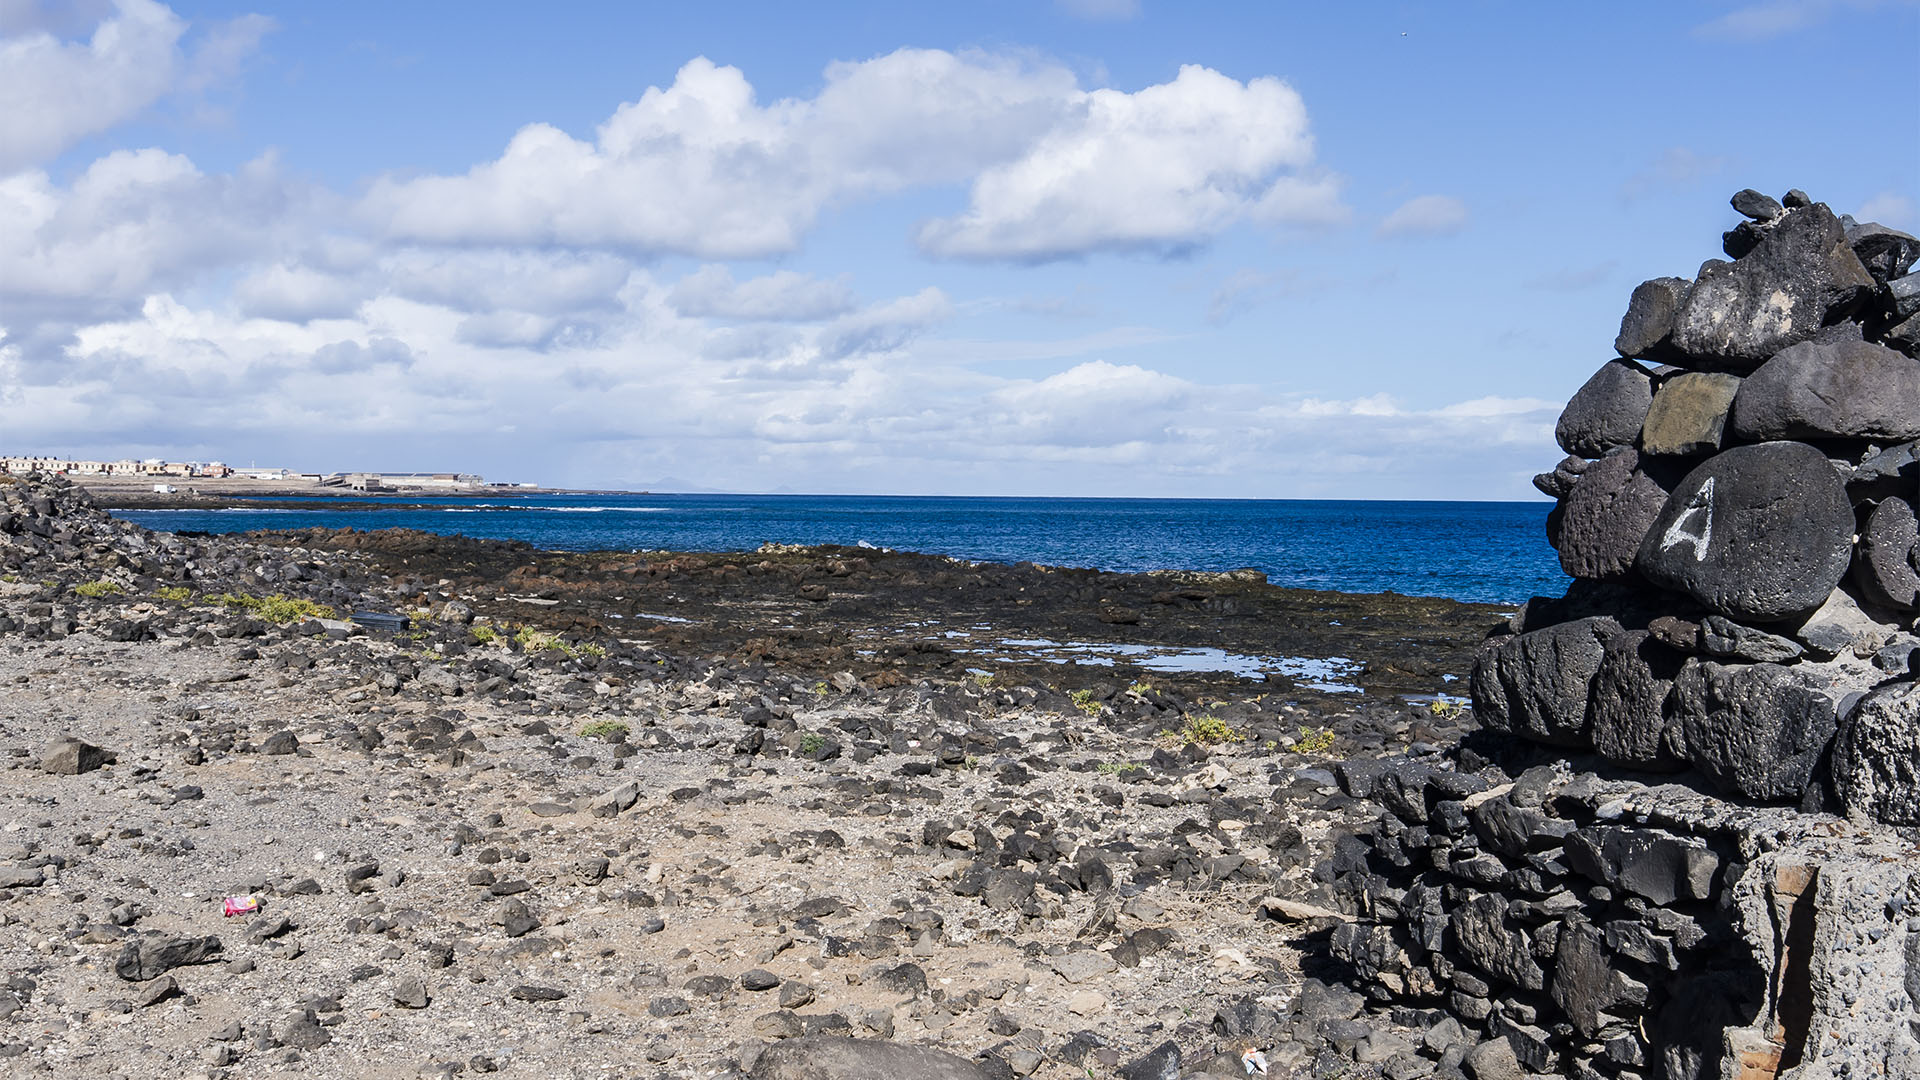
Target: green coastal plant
x,y
812,743
1083,700
178,594
1313,741
277,608
94,590
1204,729
485,635
605,730
1117,768
1445,710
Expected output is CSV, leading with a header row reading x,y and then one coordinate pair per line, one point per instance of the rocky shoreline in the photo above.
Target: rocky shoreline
x,y
530,838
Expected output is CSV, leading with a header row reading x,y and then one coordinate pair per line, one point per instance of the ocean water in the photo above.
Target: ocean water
x,y
1492,552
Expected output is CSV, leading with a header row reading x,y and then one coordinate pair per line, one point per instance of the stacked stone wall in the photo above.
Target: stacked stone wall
x,y
1681,846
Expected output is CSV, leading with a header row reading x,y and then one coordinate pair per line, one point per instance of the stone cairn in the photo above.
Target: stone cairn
x,y
1683,845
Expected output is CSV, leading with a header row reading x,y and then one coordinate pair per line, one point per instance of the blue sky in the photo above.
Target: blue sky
x,y
1086,248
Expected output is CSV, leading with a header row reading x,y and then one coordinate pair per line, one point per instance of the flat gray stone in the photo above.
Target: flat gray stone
x,y
1083,964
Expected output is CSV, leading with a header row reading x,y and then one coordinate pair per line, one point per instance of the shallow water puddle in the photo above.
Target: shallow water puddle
x,y
1326,675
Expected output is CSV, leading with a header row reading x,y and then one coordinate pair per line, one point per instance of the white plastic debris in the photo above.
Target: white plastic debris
x,y
1254,1062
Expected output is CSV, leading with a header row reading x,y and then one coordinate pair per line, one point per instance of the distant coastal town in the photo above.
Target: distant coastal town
x,y
161,473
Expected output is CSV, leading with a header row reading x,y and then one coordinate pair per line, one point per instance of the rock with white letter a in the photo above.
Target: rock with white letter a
x,y
1760,533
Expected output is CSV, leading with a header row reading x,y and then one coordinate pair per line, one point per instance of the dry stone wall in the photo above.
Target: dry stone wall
x,y
1682,846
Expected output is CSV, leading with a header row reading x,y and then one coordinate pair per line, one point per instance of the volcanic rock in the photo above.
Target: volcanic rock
x,y
1537,684
1759,731
1758,532
1799,277
1874,757
1887,563
1606,412
1608,513
1646,329
1630,717
1830,389
1689,414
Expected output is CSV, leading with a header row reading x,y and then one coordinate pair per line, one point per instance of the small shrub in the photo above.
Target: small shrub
x,y
11,579
178,594
811,743
485,635
1204,729
1445,710
277,608
1313,742
1117,768
1141,688
94,590
1083,700
820,688
589,649
605,730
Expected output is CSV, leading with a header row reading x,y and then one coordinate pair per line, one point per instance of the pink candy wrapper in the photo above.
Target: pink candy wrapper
x,y
239,905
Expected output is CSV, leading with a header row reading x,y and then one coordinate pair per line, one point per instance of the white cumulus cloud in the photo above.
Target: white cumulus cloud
x,y
1160,169
701,167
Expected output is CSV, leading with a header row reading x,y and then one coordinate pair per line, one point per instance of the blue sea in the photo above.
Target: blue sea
x,y
1494,552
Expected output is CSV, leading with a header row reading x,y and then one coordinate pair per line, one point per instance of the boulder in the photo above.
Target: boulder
x,y
1830,389
1495,943
1630,717
1556,484
1586,982
1756,205
71,757
1886,253
1886,565
1608,513
1757,533
1688,416
1874,757
1646,330
1646,862
1721,636
1606,412
154,955
1758,731
1537,684
1799,277
1841,626
817,1057
1893,471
